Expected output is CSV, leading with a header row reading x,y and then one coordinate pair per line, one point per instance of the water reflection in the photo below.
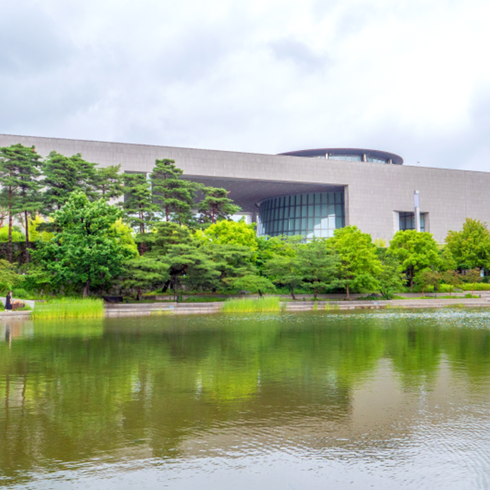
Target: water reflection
x,y
325,396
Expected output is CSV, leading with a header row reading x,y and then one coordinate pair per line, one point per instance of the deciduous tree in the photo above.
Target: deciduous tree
x,y
415,251
470,247
87,253
359,265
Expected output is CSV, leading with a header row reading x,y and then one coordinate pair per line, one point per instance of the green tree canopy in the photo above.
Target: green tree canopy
x,y
64,175
20,187
230,232
470,247
216,205
138,206
109,182
88,252
415,251
359,265
173,196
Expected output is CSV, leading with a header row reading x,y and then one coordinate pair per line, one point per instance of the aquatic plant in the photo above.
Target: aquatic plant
x,y
249,305
69,308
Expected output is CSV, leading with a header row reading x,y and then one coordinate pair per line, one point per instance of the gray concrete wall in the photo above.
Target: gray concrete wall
x,y
374,190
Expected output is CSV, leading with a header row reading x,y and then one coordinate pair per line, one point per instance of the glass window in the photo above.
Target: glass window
x,y
318,214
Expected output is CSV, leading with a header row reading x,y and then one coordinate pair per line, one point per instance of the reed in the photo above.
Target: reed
x,y
251,305
69,308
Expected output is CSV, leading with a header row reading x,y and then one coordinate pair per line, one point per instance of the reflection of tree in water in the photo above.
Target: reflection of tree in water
x,y
81,389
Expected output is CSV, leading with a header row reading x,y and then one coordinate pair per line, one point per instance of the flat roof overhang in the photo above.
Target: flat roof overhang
x,y
248,192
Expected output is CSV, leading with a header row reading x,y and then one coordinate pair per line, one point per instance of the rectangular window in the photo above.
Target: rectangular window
x,y
407,221
304,210
311,211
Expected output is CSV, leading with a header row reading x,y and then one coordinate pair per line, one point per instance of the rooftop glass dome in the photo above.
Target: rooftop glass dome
x,y
350,154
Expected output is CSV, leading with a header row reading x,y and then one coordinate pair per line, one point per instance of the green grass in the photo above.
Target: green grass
x,y
69,308
251,305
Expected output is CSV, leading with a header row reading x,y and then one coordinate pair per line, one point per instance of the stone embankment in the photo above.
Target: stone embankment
x,y
116,310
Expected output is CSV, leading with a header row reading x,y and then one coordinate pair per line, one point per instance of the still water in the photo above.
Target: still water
x,y
316,400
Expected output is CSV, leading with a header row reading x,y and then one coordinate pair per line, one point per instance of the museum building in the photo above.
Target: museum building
x,y
309,192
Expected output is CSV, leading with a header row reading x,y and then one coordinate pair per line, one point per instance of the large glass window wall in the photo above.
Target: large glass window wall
x,y
310,215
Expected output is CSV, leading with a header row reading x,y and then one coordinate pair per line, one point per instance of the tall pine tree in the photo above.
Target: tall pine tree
x,y
173,195
63,175
21,188
216,205
138,204
109,182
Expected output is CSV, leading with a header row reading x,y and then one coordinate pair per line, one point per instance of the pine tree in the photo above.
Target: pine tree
x,y
216,205
64,175
138,204
19,174
173,195
109,182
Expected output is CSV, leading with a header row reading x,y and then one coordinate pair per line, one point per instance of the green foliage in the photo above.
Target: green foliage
x,y
316,266
230,232
428,278
230,260
250,305
19,186
172,195
192,267
390,279
472,277
88,252
17,235
145,271
68,308
415,251
64,175
252,283
138,203
452,279
216,205
470,247
359,265
109,182
9,278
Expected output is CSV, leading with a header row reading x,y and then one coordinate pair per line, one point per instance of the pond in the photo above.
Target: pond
x,y
315,400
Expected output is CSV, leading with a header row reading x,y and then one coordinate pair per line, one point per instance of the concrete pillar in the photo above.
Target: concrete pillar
x,y
416,203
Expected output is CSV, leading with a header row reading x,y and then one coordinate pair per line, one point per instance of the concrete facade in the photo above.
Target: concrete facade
x,y
374,192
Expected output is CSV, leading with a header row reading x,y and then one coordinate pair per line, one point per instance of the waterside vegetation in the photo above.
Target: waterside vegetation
x,y
69,308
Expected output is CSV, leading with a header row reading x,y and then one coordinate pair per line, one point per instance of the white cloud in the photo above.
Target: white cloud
x,y
267,76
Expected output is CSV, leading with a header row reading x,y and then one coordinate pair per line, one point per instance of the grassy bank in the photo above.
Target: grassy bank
x,y
251,305
69,308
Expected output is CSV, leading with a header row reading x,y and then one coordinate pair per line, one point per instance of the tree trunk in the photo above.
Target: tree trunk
x,y
86,289
260,293
411,280
138,297
27,238
292,292
347,290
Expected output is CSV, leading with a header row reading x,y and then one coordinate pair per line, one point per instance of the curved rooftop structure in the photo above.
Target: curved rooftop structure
x,y
350,154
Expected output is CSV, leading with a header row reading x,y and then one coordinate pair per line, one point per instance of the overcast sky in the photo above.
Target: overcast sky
x,y
411,77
